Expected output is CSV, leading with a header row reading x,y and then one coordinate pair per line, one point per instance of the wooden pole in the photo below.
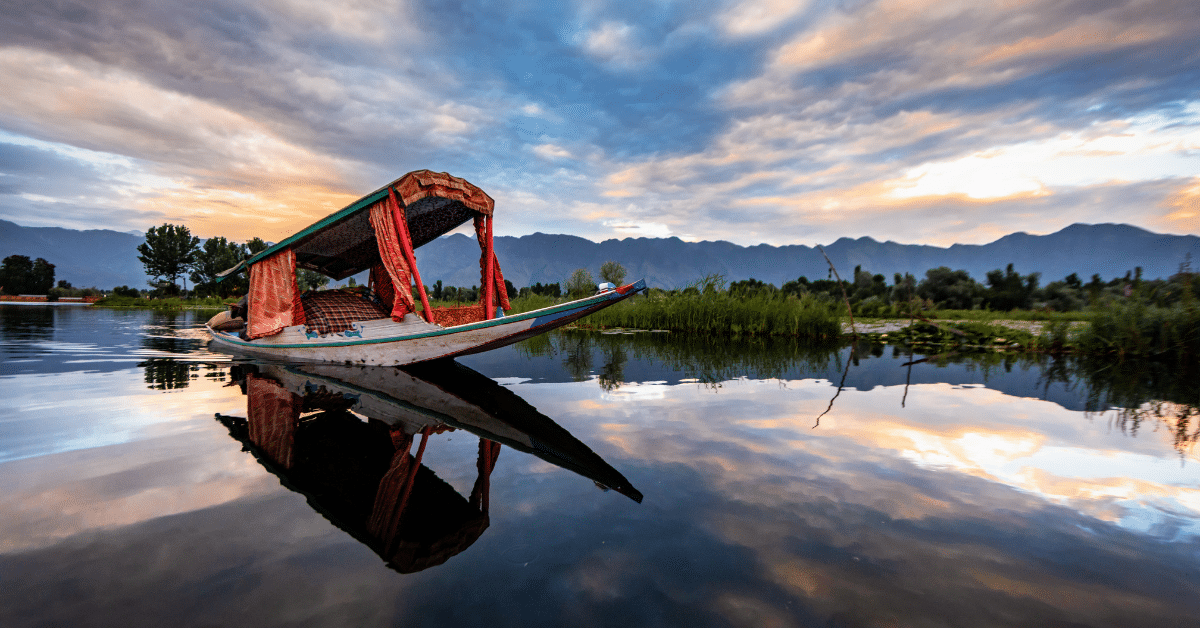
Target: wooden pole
x,y
490,271
406,245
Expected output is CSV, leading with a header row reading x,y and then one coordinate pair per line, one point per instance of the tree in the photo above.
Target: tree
x,y
751,287
904,288
216,256
581,283
310,279
953,289
1010,290
168,252
797,287
19,275
612,272
256,245
548,290
16,274
42,278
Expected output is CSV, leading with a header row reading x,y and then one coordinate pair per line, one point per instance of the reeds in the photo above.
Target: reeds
x,y
718,313
1143,330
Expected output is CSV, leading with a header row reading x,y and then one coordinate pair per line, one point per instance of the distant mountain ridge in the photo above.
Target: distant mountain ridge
x,y
106,258
96,257
1108,249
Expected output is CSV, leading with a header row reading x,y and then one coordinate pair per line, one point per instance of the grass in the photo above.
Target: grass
x,y
1120,329
1143,330
717,313
170,303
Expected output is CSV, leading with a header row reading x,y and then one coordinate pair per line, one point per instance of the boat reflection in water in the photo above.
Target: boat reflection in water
x,y
304,424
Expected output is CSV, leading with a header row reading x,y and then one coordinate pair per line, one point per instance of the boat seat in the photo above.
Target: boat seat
x,y
335,311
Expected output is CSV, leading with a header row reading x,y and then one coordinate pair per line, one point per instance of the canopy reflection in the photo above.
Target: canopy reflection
x,y
304,424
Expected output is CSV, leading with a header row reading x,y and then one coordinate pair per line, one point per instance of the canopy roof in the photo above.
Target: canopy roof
x,y
343,243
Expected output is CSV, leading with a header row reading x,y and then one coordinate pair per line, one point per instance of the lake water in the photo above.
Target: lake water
x,y
146,481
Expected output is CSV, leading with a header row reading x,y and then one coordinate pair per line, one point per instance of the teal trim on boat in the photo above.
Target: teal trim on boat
x,y
325,222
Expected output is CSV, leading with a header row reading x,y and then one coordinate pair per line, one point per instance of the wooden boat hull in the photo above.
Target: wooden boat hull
x,y
387,343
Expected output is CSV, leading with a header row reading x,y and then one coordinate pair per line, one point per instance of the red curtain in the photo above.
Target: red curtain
x,y
393,260
381,283
274,295
497,277
272,413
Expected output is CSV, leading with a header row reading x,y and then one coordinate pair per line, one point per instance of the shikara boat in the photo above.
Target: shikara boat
x,y
379,325
304,423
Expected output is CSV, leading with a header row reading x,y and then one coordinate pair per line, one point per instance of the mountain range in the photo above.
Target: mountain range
x,y
106,258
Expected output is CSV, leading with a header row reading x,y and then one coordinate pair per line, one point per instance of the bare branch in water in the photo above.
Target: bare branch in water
x,y
841,284
853,349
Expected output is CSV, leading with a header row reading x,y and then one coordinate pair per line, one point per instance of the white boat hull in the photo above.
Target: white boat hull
x,y
388,343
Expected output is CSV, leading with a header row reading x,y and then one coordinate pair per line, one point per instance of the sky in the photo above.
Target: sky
x,y
754,121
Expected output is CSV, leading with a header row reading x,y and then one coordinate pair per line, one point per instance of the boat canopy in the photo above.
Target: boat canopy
x,y
378,232
343,243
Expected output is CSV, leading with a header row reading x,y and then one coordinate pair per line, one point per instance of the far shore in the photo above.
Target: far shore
x,y
4,301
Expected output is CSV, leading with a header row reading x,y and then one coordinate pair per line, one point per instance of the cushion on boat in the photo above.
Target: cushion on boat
x,y
457,315
225,321
333,311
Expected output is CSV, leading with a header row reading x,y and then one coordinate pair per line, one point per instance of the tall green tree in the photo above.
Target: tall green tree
x,y
255,246
42,278
953,289
310,279
1010,290
216,256
581,283
16,274
612,272
20,275
168,252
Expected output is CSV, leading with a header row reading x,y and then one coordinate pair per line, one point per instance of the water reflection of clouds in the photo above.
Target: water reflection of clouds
x,y
48,414
121,485
759,433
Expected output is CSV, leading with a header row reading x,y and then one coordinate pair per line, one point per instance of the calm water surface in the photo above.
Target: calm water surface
x,y
145,480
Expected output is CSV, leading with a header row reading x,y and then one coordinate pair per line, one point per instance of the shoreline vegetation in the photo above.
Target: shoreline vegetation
x,y
946,311
1132,328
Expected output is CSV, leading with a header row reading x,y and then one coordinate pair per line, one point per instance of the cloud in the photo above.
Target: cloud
x,y
615,45
755,17
751,121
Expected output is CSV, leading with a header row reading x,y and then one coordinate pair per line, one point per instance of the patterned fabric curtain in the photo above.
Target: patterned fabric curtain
x,y
272,413
381,284
393,259
497,276
274,295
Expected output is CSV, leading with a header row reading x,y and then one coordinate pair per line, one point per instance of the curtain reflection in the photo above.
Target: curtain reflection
x,y
305,425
